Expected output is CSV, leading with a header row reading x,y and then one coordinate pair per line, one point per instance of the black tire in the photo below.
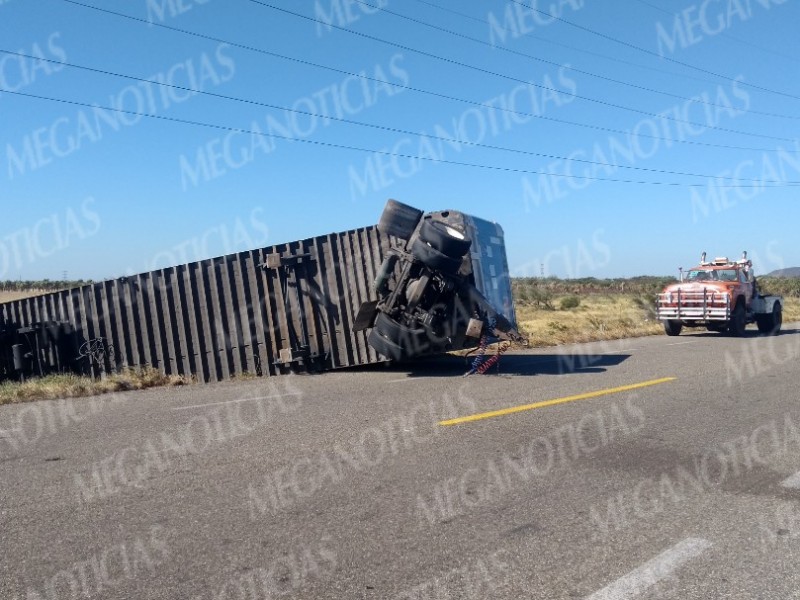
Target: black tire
x,y
738,320
433,258
399,220
385,347
445,238
771,324
672,327
397,341
777,318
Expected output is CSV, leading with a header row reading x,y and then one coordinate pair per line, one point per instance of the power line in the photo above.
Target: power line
x,y
724,34
423,91
560,65
373,125
569,47
510,77
760,184
650,52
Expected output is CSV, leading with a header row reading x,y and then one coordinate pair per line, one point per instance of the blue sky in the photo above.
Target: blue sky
x,y
539,102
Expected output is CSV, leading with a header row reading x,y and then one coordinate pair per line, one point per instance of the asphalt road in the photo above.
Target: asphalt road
x,y
665,468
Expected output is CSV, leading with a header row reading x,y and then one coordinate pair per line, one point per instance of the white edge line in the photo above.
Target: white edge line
x,y
792,482
236,400
651,572
681,343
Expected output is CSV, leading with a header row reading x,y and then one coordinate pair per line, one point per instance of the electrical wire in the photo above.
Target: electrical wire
x,y
494,359
722,34
483,344
651,53
563,66
509,77
376,126
419,90
230,129
567,46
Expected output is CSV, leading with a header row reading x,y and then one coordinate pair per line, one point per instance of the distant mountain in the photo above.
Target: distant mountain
x,y
790,272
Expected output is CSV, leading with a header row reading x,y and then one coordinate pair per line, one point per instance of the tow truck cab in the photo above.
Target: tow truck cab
x,y
721,295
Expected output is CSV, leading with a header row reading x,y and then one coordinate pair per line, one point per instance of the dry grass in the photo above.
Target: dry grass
x,y
791,310
11,296
603,317
73,386
598,317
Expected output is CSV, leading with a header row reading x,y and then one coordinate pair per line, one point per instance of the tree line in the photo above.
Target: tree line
x,y
40,285
541,291
526,289
782,286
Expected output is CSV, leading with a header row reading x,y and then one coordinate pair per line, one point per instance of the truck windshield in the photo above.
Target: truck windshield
x,y
727,275
711,275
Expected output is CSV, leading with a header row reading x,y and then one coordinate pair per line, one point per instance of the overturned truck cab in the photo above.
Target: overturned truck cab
x,y
443,285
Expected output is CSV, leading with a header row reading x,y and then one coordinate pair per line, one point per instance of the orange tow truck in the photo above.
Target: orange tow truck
x,y
720,295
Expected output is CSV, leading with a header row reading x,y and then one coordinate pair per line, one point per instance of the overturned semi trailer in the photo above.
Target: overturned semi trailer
x,y
415,284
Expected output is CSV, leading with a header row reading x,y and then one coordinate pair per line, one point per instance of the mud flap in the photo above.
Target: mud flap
x,y
366,316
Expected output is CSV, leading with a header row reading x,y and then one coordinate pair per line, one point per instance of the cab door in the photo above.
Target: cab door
x,y
746,280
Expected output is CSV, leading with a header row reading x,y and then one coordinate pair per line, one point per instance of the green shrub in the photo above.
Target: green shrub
x,y
570,302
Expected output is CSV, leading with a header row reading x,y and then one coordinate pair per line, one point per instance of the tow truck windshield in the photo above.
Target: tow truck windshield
x,y
711,275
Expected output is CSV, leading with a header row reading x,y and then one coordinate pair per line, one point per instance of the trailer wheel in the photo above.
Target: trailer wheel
x,y
673,327
738,320
444,238
771,323
433,258
399,220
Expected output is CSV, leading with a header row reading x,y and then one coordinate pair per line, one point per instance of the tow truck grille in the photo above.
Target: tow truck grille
x,y
707,305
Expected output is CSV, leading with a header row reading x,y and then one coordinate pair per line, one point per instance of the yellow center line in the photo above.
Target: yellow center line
x,y
535,405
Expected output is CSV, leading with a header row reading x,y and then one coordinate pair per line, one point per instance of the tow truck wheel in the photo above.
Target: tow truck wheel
x,y
399,220
777,318
771,323
673,327
445,238
738,320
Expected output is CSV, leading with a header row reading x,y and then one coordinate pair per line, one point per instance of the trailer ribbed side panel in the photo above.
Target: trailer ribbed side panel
x,y
289,307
